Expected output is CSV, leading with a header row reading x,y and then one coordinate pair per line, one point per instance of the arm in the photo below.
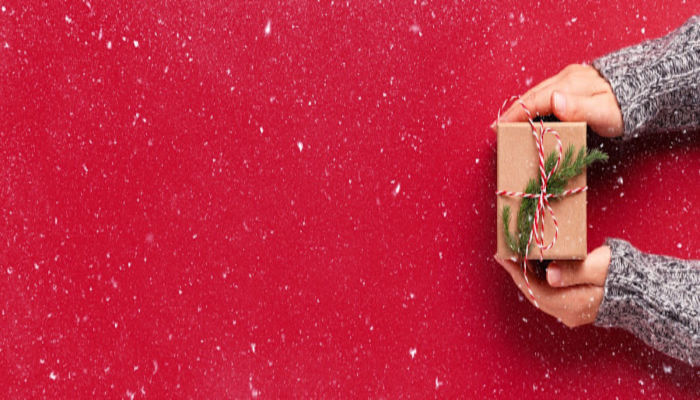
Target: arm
x,y
649,87
656,298
656,82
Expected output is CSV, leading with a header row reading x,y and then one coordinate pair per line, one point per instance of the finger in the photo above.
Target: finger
x,y
573,79
537,101
513,109
600,111
592,271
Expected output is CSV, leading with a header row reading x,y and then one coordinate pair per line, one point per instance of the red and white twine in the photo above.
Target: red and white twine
x,y
543,206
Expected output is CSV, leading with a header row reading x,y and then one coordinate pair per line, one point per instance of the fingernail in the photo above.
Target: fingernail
x,y
553,275
559,102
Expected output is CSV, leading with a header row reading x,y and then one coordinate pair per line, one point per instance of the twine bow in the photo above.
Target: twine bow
x,y
543,206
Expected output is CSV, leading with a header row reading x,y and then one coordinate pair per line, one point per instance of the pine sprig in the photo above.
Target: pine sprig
x,y
569,168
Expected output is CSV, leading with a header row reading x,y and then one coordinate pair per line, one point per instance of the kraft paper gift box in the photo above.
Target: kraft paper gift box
x,y
517,163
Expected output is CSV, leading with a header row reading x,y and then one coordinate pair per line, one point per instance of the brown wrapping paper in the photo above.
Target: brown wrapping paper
x,y
517,162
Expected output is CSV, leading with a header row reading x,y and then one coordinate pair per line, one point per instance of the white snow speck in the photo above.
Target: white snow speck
x,y
679,245
85,168
667,369
136,43
438,383
396,190
620,181
252,347
415,28
68,19
476,161
4,9
53,376
109,44
643,31
254,393
268,28
300,145
412,351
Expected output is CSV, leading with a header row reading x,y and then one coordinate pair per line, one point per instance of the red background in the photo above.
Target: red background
x,y
163,233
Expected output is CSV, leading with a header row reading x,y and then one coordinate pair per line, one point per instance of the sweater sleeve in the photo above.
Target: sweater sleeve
x,y
656,82
656,298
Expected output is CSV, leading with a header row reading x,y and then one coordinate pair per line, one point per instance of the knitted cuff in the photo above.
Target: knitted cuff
x,y
655,298
655,82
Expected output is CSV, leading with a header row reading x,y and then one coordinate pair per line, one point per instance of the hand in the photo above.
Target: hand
x,y
576,93
574,289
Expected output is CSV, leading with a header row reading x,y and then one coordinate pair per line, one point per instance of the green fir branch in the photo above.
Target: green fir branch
x,y
510,240
569,168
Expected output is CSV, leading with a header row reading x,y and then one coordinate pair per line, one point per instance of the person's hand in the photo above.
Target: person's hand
x,y
574,289
576,93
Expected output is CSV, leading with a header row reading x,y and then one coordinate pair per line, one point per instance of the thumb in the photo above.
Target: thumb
x,y
599,111
592,271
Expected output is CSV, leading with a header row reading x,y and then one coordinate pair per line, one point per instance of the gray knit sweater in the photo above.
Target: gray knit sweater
x,y
657,298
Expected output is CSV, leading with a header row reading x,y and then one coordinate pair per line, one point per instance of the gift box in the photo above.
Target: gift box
x,y
518,162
